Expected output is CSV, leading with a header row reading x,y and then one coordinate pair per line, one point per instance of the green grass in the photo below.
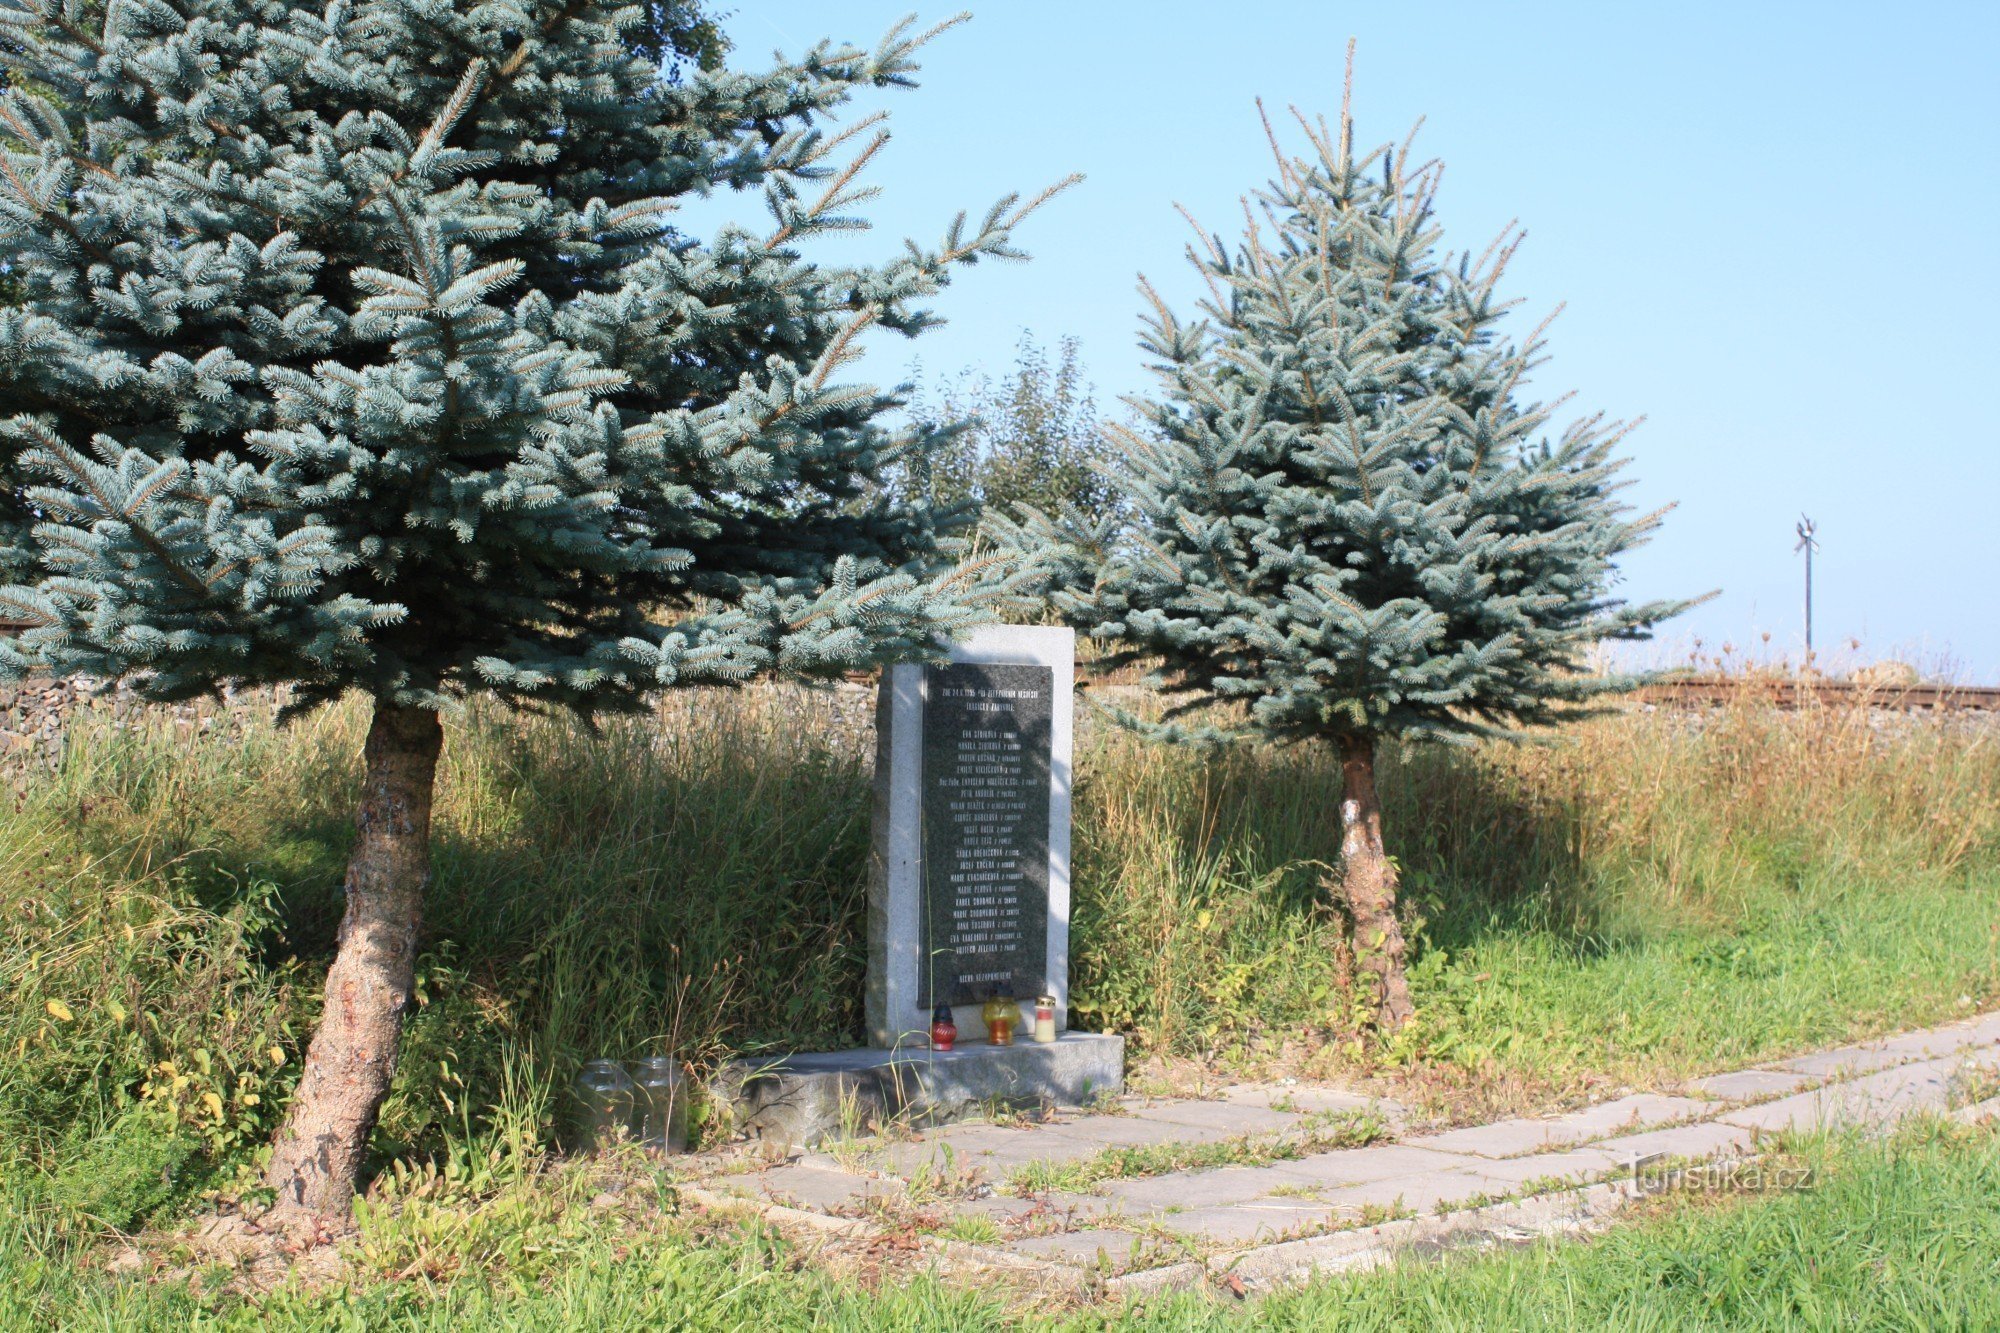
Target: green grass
x,y
646,890
1901,1234
569,1272
1644,900
1898,1235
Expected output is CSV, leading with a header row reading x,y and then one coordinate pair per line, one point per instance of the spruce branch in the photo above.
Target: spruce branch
x,y
43,211
1279,157
833,195
126,67
837,352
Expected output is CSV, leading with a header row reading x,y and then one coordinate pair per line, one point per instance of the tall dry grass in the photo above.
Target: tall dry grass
x,y
1650,894
1574,901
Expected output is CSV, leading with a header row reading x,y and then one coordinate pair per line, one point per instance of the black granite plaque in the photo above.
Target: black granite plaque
x,y
986,831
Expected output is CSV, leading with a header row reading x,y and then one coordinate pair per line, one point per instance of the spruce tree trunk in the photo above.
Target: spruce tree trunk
x,y
318,1150
1368,882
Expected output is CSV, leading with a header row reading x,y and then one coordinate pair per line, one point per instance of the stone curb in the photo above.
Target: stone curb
x,y
732,1204
957,1254
1569,1212
1978,1113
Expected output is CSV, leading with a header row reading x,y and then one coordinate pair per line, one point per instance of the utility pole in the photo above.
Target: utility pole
x,y
1808,543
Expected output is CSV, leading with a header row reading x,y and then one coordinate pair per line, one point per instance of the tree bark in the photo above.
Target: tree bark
x,y
1368,883
319,1149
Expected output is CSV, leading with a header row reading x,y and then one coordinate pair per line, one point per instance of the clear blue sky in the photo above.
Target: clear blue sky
x,y
1774,226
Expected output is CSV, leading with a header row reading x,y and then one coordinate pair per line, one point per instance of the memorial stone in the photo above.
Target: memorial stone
x,y
968,901
969,895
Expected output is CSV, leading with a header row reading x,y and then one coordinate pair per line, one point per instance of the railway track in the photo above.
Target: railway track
x,y
1791,692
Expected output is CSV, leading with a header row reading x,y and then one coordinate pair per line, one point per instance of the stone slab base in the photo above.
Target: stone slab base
x,y
802,1099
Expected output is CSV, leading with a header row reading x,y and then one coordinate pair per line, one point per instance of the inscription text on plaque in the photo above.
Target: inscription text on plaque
x,y
986,777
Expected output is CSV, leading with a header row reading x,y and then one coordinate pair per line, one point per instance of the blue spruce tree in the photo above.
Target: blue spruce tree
x,y
1346,524
355,349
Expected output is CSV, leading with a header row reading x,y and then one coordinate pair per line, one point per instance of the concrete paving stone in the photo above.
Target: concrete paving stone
x,y
1847,1061
1231,1117
1007,1139
823,1161
1805,1111
1358,1166
996,1208
1170,1277
993,1149
1889,1095
1087,1248
1570,1212
1202,1189
923,1148
743,1185
1575,1164
1072,1211
1309,1100
1074,1207
998,1166
1422,1192
1247,1223
1704,1139
1948,1037
904,1159
984,1138
1935,1042
807,1187
1124,1131
814,1187
1749,1085
1874,1083
1268,1266
1639,1111
1879,1098
1978,1113
1502,1138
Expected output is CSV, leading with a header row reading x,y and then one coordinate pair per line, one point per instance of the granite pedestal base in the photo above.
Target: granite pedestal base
x,y
801,1099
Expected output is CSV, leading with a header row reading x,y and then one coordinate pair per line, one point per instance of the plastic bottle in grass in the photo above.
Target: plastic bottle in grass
x,y
605,1103
662,1098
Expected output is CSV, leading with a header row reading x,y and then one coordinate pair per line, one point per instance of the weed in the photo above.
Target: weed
x,y
1375,1214
944,1177
1652,896
1346,1129
1310,1192
972,1228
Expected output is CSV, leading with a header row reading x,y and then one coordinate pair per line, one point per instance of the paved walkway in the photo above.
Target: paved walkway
x,y
1268,1183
